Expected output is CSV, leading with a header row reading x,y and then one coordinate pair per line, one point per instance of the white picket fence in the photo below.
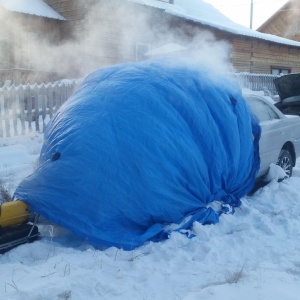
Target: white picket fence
x,y
27,108
257,82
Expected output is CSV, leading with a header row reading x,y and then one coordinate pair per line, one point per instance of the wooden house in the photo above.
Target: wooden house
x,y
285,22
89,34
125,30
23,31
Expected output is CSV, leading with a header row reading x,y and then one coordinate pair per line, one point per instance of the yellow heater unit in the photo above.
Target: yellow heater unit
x,y
13,213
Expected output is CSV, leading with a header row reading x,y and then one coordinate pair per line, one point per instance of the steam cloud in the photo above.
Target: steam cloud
x,y
90,46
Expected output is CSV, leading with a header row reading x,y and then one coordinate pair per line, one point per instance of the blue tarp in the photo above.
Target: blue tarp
x,y
140,146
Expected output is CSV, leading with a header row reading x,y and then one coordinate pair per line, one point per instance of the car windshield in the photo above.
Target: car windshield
x,y
262,110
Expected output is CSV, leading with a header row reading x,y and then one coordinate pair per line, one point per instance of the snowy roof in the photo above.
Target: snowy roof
x,y
204,13
31,7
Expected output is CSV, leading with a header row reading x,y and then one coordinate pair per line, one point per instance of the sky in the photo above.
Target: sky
x,y
239,10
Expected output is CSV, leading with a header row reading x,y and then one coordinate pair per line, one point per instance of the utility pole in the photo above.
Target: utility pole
x,y
251,14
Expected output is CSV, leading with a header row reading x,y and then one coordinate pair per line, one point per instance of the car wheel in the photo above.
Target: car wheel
x,y
285,161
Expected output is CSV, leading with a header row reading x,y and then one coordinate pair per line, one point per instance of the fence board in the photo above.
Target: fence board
x,y
35,107
1,115
50,101
22,109
43,105
28,107
6,113
14,105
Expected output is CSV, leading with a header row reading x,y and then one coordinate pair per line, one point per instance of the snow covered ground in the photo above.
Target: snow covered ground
x,y
253,254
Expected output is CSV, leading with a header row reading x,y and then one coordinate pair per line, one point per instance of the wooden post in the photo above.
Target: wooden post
x,y
43,104
1,111
14,107
35,105
50,100
28,109
22,108
6,112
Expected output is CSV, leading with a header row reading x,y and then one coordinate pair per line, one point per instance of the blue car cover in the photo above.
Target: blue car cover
x,y
140,146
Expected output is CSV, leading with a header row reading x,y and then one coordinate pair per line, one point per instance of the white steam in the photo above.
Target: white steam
x,y
106,35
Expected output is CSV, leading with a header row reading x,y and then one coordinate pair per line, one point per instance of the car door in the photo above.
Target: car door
x,y
271,142
273,134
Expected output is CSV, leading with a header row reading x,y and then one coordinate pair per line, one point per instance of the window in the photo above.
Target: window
x,y
280,70
262,111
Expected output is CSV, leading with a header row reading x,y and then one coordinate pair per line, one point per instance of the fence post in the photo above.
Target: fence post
x,y
35,106
28,106
22,107
14,107
6,112
43,104
1,113
50,100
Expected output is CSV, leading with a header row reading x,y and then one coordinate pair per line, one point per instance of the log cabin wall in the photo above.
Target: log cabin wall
x,y
259,56
284,23
248,54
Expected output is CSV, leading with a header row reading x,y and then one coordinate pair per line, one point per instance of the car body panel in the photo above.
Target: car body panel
x,y
278,131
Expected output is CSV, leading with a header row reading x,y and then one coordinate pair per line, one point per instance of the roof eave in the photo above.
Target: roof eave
x,y
288,42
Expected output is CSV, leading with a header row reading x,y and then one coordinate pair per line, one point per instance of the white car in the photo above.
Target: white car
x,y
280,137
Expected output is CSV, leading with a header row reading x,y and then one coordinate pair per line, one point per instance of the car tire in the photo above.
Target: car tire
x,y
285,161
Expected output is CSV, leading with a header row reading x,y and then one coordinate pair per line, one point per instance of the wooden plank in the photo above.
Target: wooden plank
x,y
43,95
28,107
15,107
1,113
65,93
35,106
50,100
6,112
22,108
58,98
